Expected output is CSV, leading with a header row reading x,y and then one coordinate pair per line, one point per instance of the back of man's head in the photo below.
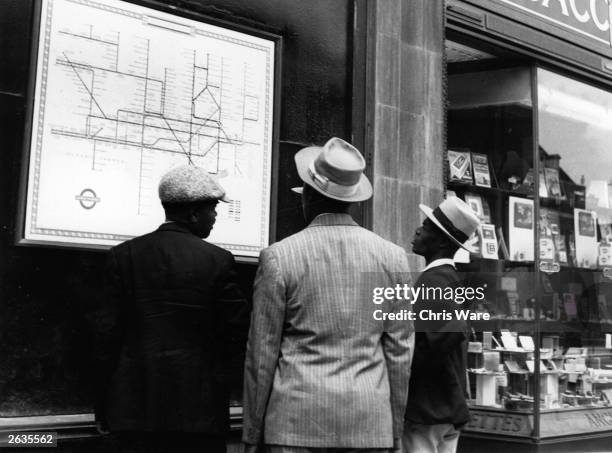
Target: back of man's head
x,y
315,203
189,184
189,195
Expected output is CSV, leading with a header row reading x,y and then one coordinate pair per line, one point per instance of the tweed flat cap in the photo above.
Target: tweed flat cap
x,y
189,184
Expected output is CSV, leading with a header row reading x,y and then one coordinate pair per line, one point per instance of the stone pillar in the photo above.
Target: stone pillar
x,y
405,113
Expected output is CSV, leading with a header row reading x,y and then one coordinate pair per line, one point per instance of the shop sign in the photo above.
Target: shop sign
x,y
505,423
589,18
575,422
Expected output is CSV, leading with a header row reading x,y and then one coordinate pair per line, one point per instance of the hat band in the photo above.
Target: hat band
x,y
456,233
326,185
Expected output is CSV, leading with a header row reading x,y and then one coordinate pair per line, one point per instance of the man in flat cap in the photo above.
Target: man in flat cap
x,y
173,319
324,370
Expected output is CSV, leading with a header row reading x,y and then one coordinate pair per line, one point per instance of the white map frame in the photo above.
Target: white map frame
x,y
122,94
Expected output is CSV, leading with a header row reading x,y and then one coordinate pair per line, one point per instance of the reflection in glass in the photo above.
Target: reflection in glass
x,y
574,235
490,166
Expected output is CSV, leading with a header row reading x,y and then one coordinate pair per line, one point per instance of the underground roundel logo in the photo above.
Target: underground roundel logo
x,y
87,198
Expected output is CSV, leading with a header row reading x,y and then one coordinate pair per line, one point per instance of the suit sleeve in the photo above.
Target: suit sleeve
x,y
263,345
232,323
398,347
107,334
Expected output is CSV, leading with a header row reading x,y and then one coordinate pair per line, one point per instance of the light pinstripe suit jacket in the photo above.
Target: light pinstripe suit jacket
x,y
320,370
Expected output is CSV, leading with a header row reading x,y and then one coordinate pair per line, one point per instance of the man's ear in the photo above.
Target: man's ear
x,y
192,214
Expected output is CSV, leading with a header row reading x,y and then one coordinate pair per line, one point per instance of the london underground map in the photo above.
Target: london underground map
x,y
123,94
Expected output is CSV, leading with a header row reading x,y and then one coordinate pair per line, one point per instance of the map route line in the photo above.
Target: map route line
x,y
206,120
151,126
84,85
220,113
94,136
76,35
208,150
192,105
74,65
144,109
99,68
207,69
177,140
202,91
96,133
93,157
123,143
144,105
219,137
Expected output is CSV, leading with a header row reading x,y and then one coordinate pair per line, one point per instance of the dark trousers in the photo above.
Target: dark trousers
x,y
169,442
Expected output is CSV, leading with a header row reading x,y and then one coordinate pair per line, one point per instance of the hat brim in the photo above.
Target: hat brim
x,y
429,213
306,156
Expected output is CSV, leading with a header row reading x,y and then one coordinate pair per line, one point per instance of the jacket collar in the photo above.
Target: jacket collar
x,y
329,219
439,262
174,226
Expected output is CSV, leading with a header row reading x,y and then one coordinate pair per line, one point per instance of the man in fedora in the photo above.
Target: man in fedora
x,y
173,321
321,371
436,407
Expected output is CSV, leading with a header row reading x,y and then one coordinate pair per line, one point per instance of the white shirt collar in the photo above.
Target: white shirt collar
x,y
439,262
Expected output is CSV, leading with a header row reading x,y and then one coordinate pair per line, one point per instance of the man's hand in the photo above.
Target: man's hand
x,y
397,446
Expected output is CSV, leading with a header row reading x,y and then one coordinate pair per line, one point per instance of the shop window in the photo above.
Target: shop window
x,y
575,257
529,151
489,162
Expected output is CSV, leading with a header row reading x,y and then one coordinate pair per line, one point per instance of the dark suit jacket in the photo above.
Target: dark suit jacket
x,y
173,319
438,381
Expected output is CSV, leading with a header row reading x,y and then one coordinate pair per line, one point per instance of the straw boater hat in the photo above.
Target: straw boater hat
x,y
334,170
455,218
189,184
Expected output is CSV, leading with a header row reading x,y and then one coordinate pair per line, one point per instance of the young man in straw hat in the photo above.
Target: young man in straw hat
x,y
321,371
174,317
436,401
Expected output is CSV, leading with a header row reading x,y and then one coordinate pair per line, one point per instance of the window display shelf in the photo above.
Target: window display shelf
x,y
494,161
492,263
546,325
556,203
476,260
487,191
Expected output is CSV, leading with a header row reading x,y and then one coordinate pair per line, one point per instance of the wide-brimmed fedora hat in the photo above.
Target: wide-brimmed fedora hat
x,y
334,170
455,218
